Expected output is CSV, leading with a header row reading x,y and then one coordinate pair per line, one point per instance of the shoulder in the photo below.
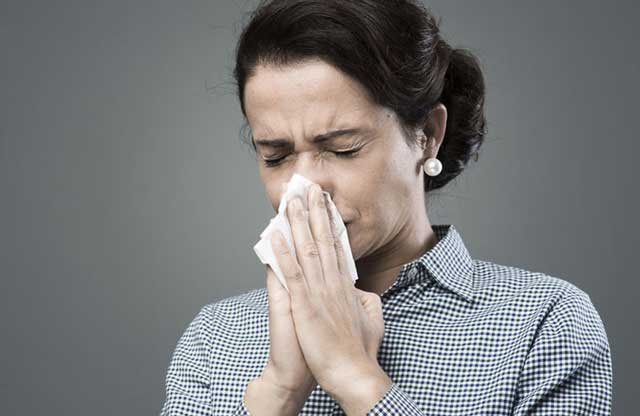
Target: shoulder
x,y
499,282
235,313
252,301
552,301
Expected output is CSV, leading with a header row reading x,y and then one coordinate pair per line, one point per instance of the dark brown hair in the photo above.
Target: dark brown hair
x,y
393,48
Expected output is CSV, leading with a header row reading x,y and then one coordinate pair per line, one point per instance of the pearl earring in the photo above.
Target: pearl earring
x,y
432,166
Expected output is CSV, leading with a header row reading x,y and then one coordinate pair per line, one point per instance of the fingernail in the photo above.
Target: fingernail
x,y
296,203
317,194
325,198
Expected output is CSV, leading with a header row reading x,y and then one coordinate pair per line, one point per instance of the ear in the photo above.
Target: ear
x,y
435,127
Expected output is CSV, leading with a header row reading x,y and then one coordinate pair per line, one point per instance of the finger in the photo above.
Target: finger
x,y
280,320
324,238
346,280
293,274
305,247
278,295
368,300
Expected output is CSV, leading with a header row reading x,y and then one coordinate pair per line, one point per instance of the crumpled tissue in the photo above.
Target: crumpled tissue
x,y
298,185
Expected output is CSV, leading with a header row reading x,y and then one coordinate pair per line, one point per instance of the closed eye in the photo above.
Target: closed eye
x,y
346,154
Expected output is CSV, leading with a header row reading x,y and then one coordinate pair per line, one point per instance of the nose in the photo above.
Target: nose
x,y
316,171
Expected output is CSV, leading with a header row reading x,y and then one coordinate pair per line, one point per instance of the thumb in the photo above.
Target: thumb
x,y
370,301
278,295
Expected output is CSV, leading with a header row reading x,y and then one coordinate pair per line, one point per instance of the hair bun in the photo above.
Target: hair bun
x,y
463,95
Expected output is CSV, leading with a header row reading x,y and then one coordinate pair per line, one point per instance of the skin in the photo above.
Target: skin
x,y
325,330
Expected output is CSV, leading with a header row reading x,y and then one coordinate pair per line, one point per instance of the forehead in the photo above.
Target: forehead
x,y
312,95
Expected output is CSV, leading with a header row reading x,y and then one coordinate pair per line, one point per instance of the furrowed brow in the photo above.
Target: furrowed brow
x,y
321,138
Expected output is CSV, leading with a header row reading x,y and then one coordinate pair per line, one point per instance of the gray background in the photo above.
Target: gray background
x,y
128,201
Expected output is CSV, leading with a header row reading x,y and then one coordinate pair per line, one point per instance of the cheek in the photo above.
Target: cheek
x,y
382,201
274,194
402,179
368,189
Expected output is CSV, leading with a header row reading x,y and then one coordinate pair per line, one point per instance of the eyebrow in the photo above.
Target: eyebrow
x,y
321,138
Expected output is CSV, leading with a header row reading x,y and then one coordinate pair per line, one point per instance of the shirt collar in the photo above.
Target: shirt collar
x,y
448,263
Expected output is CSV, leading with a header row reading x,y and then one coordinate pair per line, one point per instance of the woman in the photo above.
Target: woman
x,y
366,99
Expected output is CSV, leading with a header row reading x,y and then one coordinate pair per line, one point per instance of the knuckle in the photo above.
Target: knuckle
x,y
310,250
280,251
300,215
297,276
326,240
297,215
319,202
312,313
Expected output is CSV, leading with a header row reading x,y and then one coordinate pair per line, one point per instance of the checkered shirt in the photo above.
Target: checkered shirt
x,y
463,336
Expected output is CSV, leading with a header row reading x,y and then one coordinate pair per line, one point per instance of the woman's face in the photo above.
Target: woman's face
x,y
377,190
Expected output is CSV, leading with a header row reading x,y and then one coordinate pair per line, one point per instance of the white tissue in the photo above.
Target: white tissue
x,y
298,186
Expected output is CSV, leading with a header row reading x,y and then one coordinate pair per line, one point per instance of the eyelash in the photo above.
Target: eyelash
x,y
346,155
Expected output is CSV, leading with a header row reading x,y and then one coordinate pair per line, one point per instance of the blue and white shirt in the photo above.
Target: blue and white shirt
x,y
463,336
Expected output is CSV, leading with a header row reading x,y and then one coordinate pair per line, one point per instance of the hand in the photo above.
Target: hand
x,y
286,382
286,367
339,327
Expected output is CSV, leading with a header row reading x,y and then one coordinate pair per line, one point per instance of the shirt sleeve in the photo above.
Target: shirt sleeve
x,y
241,410
568,368
395,402
188,379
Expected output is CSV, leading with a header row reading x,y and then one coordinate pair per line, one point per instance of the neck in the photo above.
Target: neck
x,y
379,270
